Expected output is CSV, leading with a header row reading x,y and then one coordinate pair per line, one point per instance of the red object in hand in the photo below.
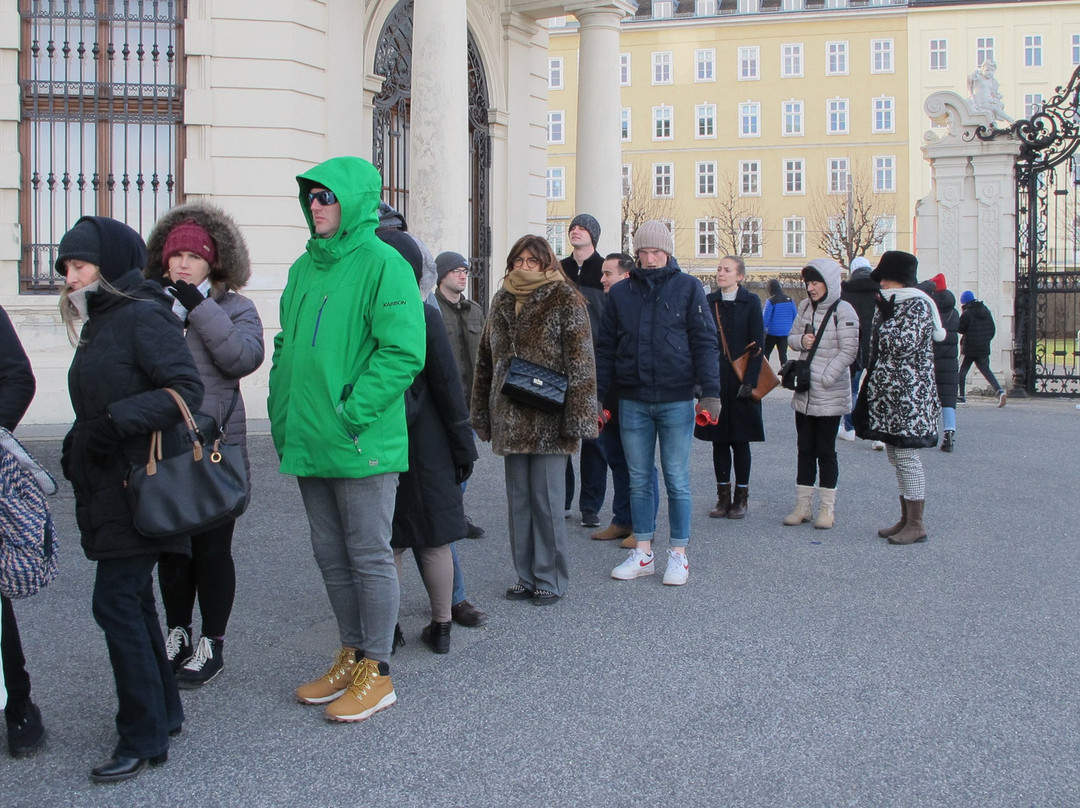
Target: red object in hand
x,y
704,418
603,417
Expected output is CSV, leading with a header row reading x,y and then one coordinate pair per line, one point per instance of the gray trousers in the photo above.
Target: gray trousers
x,y
535,490
351,521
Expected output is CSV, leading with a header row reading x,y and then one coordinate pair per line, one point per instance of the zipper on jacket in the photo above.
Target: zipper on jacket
x,y
318,319
346,391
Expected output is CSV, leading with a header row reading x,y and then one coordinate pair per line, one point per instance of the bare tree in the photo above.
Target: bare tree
x,y
639,204
852,221
740,226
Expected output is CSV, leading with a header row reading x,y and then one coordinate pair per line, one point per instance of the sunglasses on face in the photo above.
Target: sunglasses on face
x,y
324,198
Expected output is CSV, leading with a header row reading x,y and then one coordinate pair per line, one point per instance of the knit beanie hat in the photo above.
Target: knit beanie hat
x,y
81,243
966,297
653,235
189,237
590,224
860,262
447,262
898,266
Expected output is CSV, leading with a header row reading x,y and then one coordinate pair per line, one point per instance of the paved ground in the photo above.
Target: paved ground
x,y
797,667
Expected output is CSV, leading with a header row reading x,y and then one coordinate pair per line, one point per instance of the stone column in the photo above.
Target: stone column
x,y
439,145
598,173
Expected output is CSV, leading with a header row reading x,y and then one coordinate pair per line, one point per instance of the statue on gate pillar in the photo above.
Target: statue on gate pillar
x,y
985,92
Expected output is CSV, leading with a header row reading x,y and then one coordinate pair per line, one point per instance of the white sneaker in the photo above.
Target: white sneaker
x,y
636,565
846,434
879,446
678,567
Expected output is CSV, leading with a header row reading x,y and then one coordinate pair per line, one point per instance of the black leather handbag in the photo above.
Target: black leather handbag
x,y
795,374
535,385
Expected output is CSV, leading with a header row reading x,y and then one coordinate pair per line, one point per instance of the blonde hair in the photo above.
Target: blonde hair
x,y
70,315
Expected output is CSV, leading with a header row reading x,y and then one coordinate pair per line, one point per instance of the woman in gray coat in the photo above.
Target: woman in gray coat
x,y
199,255
818,410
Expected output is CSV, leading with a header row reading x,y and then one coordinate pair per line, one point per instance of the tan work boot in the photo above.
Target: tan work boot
x,y
332,683
885,532
913,531
629,543
826,513
369,692
612,531
804,506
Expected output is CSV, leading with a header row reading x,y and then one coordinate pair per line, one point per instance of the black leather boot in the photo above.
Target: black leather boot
x,y
948,441
437,637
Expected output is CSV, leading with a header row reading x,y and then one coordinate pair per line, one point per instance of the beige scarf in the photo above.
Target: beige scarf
x,y
521,283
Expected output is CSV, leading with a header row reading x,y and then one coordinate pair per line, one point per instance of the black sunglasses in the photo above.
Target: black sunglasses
x,y
325,198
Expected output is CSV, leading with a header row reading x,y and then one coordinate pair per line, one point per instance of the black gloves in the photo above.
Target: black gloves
x,y
745,391
886,307
188,295
462,473
102,436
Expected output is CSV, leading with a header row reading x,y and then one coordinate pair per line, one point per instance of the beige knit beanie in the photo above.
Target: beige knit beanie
x,y
653,235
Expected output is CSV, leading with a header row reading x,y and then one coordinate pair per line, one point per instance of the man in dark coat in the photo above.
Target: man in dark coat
x,y
977,329
946,357
860,290
25,732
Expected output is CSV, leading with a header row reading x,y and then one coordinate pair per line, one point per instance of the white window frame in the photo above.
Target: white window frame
x,y
791,61
556,237
750,63
555,73
556,126
884,174
705,8
984,49
794,231
939,54
663,174
1076,49
556,183
884,114
663,9
705,173
751,227
625,130
1033,50
1032,103
749,119
663,67
625,75
882,56
889,242
627,181
836,58
704,65
749,178
705,119
794,176
839,174
837,116
792,112
706,243
663,118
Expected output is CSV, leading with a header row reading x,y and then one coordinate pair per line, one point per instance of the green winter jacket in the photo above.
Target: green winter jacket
x,y
352,340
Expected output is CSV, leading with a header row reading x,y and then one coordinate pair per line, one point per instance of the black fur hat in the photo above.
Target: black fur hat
x,y
899,266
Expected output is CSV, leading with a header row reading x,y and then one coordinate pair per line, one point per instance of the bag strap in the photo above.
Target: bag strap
x,y
720,328
194,435
821,331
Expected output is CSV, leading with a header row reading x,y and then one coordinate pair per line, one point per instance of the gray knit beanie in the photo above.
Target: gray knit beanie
x,y
589,223
653,235
447,262
81,243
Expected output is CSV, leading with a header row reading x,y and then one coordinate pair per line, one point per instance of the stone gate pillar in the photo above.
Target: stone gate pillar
x,y
966,226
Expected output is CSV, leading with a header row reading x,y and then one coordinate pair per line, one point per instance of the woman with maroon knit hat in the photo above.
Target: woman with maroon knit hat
x,y
199,255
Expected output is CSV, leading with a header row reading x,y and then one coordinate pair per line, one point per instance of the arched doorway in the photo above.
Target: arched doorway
x,y
390,137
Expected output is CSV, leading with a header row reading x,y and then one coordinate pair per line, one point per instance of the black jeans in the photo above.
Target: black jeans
x,y
983,364
593,476
16,679
817,449
209,573
781,347
148,701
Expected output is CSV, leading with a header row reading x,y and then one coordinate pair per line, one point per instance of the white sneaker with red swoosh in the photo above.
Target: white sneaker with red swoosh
x,y
678,567
637,564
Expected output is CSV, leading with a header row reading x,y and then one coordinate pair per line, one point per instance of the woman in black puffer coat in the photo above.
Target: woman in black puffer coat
x,y
129,349
946,357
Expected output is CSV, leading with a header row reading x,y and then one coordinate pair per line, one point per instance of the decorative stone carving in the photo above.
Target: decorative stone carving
x,y
985,92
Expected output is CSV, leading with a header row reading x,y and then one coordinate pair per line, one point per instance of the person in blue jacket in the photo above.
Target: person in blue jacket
x,y
777,317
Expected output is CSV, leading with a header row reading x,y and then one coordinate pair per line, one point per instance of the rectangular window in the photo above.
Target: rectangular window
x,y
705,8
750,119
706,178
881,56
838,116
748,63
706,121
749,178
627,181
836,59
663,182
793,118
794,237
661,67
556,186
794,176
750,236
706,238
1033,51
555,127
984,50
1076,49
884,175
624,124
838,175
100,132
886,227
939,54
556,236
663,9
883,114
624,69
555,73
1032,103
705,64
791,61
662,117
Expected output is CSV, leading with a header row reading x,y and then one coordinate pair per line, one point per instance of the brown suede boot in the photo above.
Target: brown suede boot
x,y
723,501
738,503
885,532
913,531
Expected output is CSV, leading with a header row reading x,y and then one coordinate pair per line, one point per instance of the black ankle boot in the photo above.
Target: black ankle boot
x,y
26,733
437,637
948,441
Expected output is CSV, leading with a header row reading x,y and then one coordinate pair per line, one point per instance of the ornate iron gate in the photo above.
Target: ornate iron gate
x,y
390,137
1046,350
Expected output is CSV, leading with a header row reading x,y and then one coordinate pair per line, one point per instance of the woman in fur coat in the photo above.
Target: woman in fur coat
x,y
898,403
539,316
199,255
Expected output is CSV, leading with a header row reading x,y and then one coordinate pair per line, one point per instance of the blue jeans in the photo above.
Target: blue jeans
x,y
642,424
611,439
593,476
948,417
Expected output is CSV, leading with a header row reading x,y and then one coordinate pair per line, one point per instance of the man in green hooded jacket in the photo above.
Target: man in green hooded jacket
x,y
351,342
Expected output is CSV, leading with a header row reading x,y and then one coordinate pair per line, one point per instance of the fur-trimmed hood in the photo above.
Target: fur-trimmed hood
x,y
233,266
